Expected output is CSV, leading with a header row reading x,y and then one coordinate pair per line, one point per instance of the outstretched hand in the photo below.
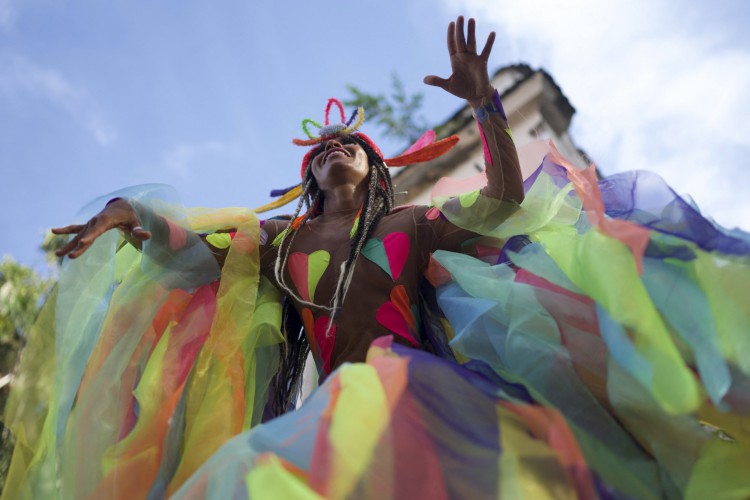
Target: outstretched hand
x,y
117,214
469,79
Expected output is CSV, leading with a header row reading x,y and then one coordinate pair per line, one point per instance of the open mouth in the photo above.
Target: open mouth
x,y
334,151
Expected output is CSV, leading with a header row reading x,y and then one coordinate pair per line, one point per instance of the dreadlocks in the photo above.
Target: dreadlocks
x,y
379,202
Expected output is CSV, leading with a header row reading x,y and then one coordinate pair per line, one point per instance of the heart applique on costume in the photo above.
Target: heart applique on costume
x,y
389,254
306,271
398,316
323,342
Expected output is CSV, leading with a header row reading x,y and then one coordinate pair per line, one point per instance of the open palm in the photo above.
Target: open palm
x,y
469,79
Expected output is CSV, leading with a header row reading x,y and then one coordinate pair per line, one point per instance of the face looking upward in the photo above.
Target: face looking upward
x,y
340,162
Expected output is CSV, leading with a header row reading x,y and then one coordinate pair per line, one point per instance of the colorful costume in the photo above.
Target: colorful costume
x,y
594,344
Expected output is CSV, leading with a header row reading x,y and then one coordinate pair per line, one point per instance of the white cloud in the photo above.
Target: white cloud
x,y
8,14
183,157
103,132
650,92
20,77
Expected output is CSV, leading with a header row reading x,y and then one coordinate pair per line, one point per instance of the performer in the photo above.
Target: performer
x,y
350,214
570,365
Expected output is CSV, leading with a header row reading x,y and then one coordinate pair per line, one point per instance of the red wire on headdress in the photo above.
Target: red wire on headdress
x,y
331,102
426,148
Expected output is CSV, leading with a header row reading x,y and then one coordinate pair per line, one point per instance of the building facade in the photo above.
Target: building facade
x,y
536,109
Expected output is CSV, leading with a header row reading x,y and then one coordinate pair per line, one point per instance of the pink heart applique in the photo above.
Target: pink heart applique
x,y
306,271
390,253
397,316
325,340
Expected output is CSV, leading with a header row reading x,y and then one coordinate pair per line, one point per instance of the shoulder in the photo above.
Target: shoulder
x,y
407,218
413,211
271,228
418,214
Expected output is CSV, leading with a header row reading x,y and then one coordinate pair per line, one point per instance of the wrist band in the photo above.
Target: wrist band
x,y
483,112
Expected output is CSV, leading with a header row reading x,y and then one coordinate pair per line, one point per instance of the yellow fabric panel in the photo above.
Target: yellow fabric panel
x,y
528,467
359,418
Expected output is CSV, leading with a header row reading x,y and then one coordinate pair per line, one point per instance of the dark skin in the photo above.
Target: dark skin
x,y
343,188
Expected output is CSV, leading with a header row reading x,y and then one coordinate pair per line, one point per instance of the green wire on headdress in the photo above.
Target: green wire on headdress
x,y
329,130
426,148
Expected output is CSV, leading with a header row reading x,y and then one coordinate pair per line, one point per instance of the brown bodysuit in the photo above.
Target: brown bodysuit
x,y
385,286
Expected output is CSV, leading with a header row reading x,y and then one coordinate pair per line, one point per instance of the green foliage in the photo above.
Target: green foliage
x,y
50,244
21,292
398,114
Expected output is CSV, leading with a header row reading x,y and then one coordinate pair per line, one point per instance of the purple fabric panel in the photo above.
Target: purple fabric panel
x,y
281,192
499,104
514,245
644,198
557,173
460,419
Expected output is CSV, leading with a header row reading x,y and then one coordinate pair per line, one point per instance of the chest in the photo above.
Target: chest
x,y
390,256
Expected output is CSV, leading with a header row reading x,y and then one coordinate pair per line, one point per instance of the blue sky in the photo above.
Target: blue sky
x,y
206,96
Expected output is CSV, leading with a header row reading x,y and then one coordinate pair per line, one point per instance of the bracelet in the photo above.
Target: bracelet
x,y
483,112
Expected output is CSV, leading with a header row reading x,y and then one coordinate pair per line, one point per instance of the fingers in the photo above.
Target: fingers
x,y
459,36
73,228
80,243
488,47
80,248
139,233
117,214
69,247
85,235
451,38
471,40
459,42
436,81
76,229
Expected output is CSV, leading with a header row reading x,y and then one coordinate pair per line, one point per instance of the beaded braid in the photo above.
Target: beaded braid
x,y
287,383
379,202
282,256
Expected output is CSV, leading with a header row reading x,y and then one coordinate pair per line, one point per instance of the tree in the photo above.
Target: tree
x,y
22,291
398,114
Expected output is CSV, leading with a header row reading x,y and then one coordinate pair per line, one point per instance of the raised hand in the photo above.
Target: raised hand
x,y
117,214
469,79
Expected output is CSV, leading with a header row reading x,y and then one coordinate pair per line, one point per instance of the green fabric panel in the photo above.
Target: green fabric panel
x,y
605,270
219,240
721,472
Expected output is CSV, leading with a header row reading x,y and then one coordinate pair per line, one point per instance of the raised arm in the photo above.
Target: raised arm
x,y
470,80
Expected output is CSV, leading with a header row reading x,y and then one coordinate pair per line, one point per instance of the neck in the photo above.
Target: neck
x,y
344,199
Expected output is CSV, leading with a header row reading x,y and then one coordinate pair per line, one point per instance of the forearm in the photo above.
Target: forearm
x,y
481,213
504,179
182,256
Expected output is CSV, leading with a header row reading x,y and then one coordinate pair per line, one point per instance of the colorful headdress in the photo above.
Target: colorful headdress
x,y
423,150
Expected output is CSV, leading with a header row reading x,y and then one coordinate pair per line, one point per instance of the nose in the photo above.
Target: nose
x,y
333,143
